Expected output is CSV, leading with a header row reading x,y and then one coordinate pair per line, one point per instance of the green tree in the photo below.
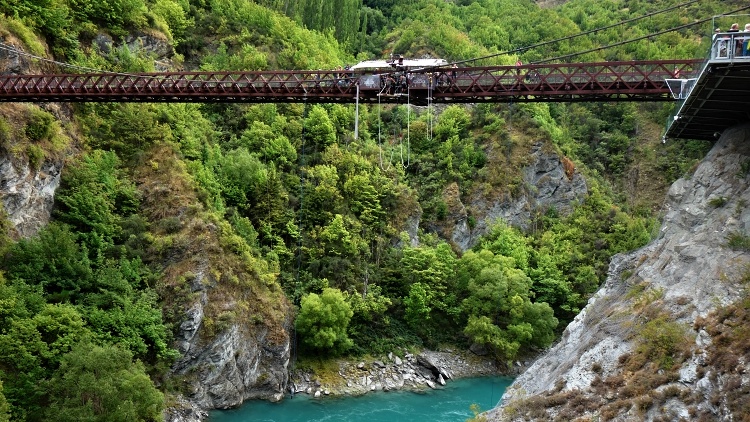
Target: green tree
x,y
417,304
323,320
4,408
319,129
102,383
499,308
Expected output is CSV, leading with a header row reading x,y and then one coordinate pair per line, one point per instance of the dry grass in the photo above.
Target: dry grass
x,y
199,252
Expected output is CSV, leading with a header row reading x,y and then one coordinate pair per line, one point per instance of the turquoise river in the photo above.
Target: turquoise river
x,y
448,404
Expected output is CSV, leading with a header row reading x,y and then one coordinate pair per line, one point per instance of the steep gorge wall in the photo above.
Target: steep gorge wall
x,y
548,181
601,368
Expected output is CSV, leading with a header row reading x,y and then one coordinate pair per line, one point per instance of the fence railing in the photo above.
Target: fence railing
x,y
730,46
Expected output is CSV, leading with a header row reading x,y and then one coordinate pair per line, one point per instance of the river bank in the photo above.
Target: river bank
x,y
427,369
406,371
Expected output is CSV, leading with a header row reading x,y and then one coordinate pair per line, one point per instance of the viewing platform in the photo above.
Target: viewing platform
x,y
719,97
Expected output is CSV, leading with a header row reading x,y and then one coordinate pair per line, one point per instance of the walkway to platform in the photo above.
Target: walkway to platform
x,y
719,96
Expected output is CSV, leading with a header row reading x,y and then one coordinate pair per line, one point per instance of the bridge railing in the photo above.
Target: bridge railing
x,y
630,80
730,46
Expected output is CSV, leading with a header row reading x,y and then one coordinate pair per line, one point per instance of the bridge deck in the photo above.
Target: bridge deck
x,y
717,98
607,81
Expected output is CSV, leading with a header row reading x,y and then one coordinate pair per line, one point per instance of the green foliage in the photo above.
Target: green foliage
x,y
717,202
431,270
23,32
663,341
50,17
53,261
738,241
323,320
4,408
507,241
498,304
40,125
102,383
124,128
175,16
118,15
280,42
319,129
93,198
417,304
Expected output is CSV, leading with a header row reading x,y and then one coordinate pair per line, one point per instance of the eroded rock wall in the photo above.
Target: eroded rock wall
x,y
27,194
549,181
682,276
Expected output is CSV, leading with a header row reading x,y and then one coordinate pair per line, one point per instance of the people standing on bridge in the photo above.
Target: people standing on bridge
x,y
402,84
390,82
746,42
721,44
738,42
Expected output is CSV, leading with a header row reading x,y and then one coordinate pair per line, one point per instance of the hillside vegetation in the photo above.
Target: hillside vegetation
x,y
289,211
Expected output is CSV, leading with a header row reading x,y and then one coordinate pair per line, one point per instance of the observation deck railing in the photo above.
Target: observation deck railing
x,y
730,52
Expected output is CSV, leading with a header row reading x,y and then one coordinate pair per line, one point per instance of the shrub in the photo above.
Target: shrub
x,y
40,125
717,202
738,241
663,341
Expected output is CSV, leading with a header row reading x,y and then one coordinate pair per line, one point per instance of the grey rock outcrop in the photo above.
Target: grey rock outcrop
x,y
688,271
27,194
549,181
243,361
11,62
426,370
152,44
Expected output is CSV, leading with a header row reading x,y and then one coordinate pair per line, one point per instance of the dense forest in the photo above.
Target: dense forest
x,y
303,211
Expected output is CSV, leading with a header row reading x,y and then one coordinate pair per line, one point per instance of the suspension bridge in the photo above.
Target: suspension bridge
x,y
607,81
713,92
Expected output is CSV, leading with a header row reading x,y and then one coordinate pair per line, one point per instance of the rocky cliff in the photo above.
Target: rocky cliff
x,y
662,339
547,181
26,193
232,317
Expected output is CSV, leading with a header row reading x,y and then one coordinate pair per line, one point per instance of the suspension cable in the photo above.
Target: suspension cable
x,y
13,49
568,37
653,34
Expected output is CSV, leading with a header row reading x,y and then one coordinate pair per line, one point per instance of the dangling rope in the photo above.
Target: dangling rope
x,y
380,139
429,109
408,118
293,334
301,202
268,198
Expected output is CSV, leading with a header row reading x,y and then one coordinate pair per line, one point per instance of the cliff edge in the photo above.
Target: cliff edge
x,y
662,338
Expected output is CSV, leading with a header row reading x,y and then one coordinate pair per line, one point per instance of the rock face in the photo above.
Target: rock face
x,y
550,181
27,195
11,62
155,44
681,277
426,370
240,363
222,368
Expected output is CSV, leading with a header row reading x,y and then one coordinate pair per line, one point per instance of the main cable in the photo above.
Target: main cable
x,y
653,34
568,37
14,49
